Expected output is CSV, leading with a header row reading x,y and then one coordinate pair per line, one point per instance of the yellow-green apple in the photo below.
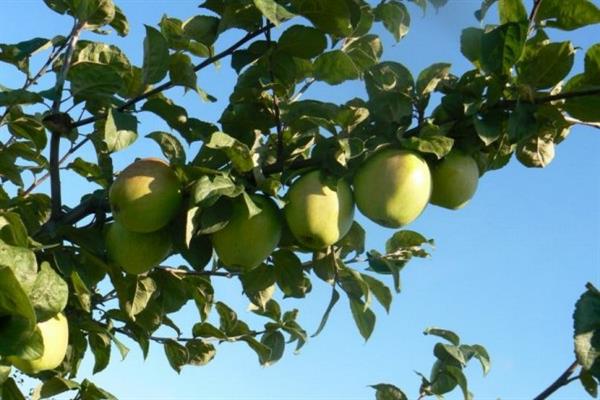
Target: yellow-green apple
x,y
317,212
145,196
246,241
55,337
455,180
392,187
136,252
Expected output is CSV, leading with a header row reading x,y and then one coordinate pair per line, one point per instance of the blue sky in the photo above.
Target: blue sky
x,y
505,273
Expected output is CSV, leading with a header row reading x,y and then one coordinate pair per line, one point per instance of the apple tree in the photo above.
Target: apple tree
x,y
269,193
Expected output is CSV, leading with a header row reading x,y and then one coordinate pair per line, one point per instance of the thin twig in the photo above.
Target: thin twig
x,y
167,85
180,271
302,90
579,122
562,380
533,14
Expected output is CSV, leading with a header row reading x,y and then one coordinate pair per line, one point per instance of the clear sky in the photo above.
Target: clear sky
x,y
505,273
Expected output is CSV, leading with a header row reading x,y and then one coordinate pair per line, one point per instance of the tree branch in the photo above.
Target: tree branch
x,y
180,271
579,122
56,133
167,85
562,380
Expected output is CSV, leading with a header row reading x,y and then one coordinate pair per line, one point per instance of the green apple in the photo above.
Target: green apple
x,y
137,252
145,196
317,213
55,336
246,241
392,187
455,180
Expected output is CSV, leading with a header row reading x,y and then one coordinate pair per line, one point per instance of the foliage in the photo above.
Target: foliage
x,y
521,97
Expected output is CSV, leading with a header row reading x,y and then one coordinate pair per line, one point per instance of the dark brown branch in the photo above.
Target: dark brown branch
x,y
562,380
55,188
550,98
167,85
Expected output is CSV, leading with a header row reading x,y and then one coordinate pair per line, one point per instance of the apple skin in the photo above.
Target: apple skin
x,y
317,215
137,252
55,336
145,196
392,187
245,242
455,180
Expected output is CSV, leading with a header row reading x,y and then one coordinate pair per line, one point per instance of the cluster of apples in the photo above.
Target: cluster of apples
x,y
392,188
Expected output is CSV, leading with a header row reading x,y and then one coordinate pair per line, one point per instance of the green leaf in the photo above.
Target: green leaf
x,y
302,41
290,275
275,341
10,391
18,321
335,67
502,47
181,71
568,14
429,143
363,317
589,383
364,51
262,351
485,6
94,12
536,151
335,296
545,66
329,16
91,81
15,97
31,129
12,230
156,56
512,11
395,18
385,391
443,333
273,11
49,293
22,262
388,78
19,54
118,132
489,125
170,147
460,378
382,293
140,291
236,151
592,65
448,353
586,323
57,385
89,391
100,346
89,171
177,354
522,122
207,330
201,28
482,355
120,23
470,45
430,77
584,108
175,116
199,352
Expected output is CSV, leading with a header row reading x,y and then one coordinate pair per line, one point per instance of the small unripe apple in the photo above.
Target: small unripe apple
x,y
455,180
318,214
246,241
392,187
55,336
145,196
137,252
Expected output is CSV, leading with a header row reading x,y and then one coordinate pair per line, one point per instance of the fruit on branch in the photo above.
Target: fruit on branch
x,y
136,252
145,196
319,209
392,187
455,180
246,241
55,337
